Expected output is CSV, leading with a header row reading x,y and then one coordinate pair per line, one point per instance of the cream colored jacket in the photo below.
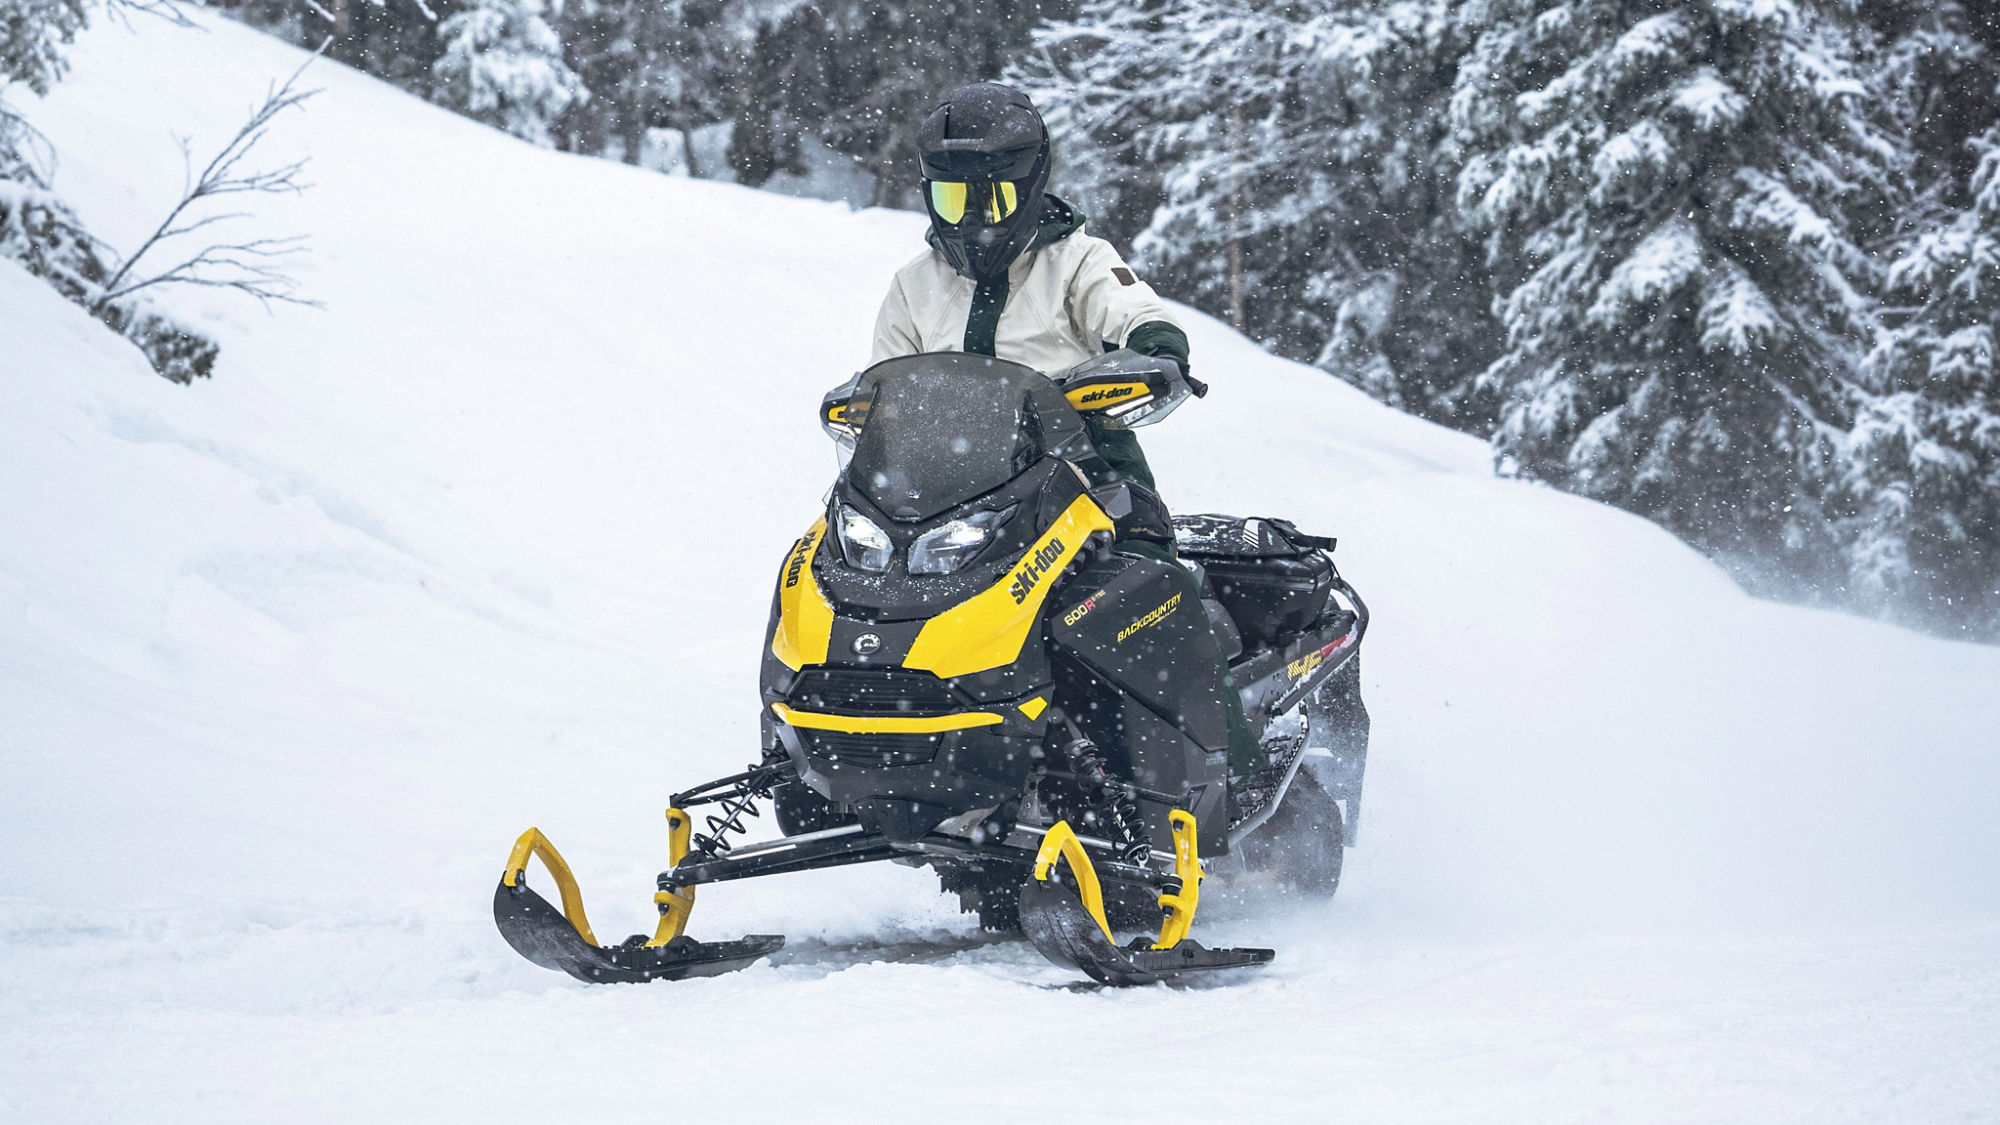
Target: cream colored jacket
x,y
1065,301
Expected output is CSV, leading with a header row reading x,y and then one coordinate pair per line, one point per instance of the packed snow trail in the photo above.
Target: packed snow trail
x,y
288,658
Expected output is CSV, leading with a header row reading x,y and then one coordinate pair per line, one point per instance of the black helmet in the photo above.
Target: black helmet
x,y
985,158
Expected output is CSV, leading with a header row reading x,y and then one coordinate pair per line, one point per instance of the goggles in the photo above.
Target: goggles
x,y
988,201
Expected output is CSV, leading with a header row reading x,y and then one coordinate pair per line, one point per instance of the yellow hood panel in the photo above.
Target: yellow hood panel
x,y
988,629
805,617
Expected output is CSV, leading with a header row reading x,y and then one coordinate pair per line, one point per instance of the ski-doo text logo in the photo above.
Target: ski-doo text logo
x,y
1154,617
1305,665
1035,569
1083,607
1107,394
797,562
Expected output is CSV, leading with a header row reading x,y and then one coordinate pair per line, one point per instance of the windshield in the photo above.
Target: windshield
x,y
941,428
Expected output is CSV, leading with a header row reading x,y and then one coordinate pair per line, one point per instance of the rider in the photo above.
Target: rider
x,y
1010,273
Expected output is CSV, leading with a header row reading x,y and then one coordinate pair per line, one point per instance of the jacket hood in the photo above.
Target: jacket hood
x,y
1059,220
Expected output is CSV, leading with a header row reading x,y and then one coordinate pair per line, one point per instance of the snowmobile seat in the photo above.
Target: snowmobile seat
x,y
1272,579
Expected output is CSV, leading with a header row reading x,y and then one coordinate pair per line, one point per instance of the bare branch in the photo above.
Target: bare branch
x,y
256,268
168,10
207,220
253,266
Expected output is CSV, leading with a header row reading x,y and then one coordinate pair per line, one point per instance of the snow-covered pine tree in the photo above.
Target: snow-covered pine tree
x,y
1924,465
32,35
894,60
783,93
37,230
1670,193
503,64
859,74
1921,465
1293,170
1923,461
397,41
650,64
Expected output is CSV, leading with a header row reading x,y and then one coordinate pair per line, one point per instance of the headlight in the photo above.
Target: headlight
x,y
946,549
865,546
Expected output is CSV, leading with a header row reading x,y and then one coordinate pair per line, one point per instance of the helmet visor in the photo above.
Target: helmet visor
x,y
988,202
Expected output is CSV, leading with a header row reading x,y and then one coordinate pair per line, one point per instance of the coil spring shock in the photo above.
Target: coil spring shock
x,y
738,802
1108,794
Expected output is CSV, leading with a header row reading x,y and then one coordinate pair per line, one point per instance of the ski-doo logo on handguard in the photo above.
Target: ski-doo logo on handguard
x,y
1034,569
797,562
1107,394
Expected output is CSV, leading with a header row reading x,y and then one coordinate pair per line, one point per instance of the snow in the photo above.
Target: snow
x,y
1767,206
1642,152
288,657
1710,101
1735,316
1661,263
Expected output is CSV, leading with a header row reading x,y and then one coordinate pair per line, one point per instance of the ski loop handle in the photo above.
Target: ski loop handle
x,y
532,842
1061,843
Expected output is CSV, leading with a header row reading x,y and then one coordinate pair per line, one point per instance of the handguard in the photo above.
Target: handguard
x,y
1124,389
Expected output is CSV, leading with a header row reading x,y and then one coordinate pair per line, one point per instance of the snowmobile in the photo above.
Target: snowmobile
x,y
967,667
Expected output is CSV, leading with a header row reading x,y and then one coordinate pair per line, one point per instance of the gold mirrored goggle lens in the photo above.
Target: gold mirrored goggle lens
x,y
1002,202
949,199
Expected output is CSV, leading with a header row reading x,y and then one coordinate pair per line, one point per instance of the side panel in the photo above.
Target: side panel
x,y
1273,681
1128,629
1136,622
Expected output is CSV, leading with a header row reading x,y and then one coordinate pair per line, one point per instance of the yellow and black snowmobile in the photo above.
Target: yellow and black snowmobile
x,y
971,665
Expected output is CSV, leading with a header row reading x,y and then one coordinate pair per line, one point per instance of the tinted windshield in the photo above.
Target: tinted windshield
x,y
942,428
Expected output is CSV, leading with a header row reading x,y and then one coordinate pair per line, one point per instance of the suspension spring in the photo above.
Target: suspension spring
x,y
1113,803
735,803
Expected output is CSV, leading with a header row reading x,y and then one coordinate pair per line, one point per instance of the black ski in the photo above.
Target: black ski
x,y
1058,925
539,932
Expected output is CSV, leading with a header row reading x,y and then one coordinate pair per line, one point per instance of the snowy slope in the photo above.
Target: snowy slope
x,y
287,659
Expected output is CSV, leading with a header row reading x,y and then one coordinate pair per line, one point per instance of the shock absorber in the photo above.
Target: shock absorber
x,y
1108,796
738,796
